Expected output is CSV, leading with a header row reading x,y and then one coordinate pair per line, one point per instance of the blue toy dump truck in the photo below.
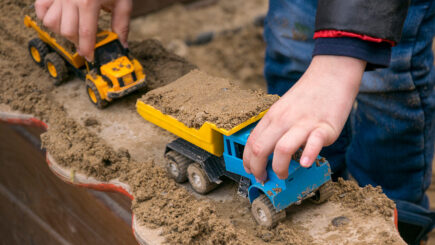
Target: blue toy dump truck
x,y
204,156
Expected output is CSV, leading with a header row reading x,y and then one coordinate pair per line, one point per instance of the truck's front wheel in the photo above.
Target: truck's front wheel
x,y
94,95
264,212
198,179
176,166
56,67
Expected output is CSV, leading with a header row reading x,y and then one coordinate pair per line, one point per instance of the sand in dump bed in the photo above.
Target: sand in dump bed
x,y
198,97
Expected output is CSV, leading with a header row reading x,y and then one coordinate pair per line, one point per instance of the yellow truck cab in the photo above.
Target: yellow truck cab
x,y
113,73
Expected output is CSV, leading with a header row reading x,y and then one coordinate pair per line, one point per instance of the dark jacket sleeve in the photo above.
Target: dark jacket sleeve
x,y
363,29
374,18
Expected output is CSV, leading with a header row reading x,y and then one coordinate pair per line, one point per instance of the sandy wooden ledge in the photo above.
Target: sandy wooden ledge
x,y
316,219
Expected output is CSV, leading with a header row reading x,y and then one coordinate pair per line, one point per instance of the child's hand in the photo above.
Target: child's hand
x,y
312,113
77,20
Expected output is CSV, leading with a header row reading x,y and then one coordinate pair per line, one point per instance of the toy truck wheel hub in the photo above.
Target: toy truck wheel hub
x,y
173,168
92,95
51,69
196,179
261,214
35,54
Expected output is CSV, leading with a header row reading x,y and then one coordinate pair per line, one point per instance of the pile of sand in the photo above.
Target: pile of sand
x,y
198,97
368,200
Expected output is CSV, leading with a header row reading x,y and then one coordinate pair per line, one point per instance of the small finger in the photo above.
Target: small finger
x,y
315,142
70,22
88,21
121,20
289,143
53,17
41,8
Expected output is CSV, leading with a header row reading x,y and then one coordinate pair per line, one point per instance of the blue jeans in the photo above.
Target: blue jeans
x,y
389,137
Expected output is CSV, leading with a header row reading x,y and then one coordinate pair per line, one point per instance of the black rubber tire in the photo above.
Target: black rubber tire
x,y
97,101
60,66
199,180
323,193
176,166
42,49
264,213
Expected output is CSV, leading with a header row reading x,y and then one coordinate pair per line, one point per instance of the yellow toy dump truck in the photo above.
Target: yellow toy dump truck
x,y
206,155
113,74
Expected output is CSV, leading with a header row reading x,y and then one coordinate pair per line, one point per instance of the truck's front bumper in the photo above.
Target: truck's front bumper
x,y
122,93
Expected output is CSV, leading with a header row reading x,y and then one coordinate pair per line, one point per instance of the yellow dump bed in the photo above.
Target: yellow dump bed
x,y
74,59
208,137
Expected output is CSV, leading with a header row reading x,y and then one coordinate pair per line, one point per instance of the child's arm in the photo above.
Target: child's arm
x,y
349,36
77,20
312,113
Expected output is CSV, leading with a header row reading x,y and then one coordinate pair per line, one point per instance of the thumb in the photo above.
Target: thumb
x,y
121,19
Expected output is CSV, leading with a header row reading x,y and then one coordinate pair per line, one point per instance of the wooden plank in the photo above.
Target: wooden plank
x,y
37,207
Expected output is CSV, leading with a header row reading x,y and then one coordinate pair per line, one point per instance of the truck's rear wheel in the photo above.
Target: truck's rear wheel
x,y
38,50
264,212
323,193
56,67
176,166
198,179
94,95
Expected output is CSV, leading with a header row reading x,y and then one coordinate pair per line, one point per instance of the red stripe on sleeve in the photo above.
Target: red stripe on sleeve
x,y
335,33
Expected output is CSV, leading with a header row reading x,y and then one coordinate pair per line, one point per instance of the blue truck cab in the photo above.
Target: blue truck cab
x,y
301,183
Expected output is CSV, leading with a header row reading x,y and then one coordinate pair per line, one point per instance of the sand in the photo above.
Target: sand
x,y
184,23
197,97
238,55
159,202
351,195
160,66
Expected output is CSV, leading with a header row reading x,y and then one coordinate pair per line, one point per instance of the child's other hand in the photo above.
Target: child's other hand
x,y
77,20
311,114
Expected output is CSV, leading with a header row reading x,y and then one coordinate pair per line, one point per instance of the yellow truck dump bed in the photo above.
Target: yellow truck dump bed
x,y
208,137
74,59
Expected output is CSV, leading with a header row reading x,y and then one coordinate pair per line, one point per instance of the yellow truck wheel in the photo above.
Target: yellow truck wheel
x,y
38,50
264,212
198,179
56,68
94,95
